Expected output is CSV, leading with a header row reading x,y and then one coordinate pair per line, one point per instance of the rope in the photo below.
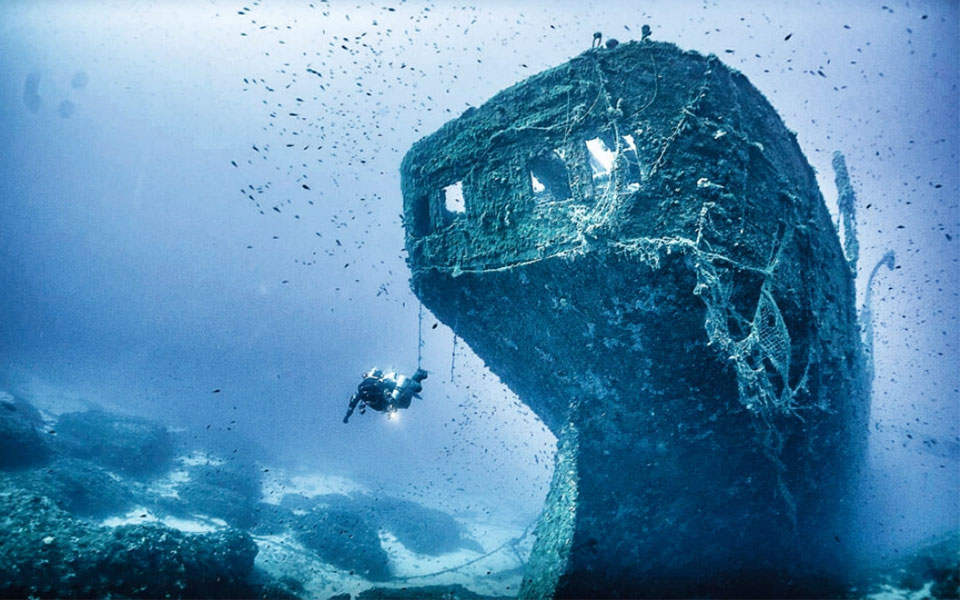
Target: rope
x,y
308,554
419,334
511,542
453,353
847,206
889,260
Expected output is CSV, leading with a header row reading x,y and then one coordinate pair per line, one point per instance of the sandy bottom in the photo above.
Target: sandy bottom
x,y
140,515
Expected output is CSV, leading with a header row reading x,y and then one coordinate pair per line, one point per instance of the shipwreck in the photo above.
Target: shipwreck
x,y
634,242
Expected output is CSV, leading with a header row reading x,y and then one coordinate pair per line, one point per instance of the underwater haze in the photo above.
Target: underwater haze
x,y
202,250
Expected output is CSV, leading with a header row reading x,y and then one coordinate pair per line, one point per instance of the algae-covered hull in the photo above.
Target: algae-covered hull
x,y
635,244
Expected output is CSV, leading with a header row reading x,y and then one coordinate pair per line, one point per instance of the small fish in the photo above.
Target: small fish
x,y
789,35
216,391
233,162
434,326
305,186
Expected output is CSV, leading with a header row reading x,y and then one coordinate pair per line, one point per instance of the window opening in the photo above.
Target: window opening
x,y
601,157
453,198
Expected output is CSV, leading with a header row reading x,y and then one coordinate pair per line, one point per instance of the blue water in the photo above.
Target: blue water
x,y
205,196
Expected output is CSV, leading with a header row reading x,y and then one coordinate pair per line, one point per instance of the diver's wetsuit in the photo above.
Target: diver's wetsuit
x,y
371,393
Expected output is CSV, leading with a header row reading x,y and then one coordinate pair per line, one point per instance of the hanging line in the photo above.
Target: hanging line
x,y
453,354
419,334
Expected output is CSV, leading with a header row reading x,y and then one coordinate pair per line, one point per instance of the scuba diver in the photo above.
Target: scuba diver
x,y
385,392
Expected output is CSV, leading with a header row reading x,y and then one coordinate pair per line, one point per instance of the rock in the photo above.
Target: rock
x,y
420,529
229,491
931,570
641,224
344,539
307,503
21,446
26,411
273,520
44,552
130,445
78,487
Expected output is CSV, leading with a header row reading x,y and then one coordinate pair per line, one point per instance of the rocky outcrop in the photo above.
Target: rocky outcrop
x,y
95,471
636,245
228,491
78,487
419,528
344,539
21,445
130,445
46,553
929,570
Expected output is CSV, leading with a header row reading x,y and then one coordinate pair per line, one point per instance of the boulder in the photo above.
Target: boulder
x,y
928,570
344,539
21,445
46,553
229,491
419,528
130,445
79,487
